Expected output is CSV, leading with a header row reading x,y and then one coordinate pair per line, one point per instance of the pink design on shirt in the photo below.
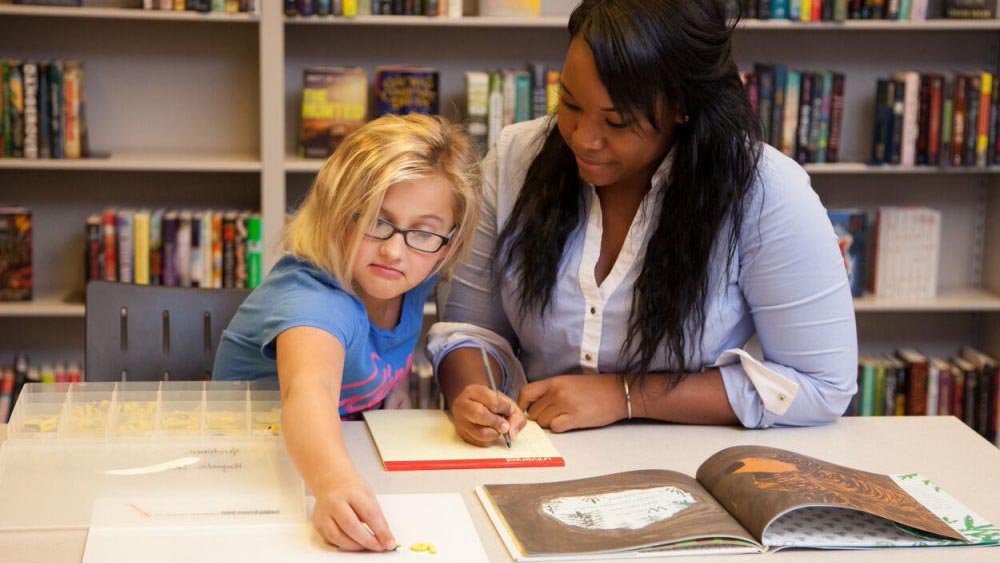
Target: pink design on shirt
x,y
388,382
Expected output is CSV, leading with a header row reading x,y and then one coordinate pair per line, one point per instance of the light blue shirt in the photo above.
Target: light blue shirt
x,y
296,293
787,284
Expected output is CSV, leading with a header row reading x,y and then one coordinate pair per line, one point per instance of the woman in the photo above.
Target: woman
x,y
624,248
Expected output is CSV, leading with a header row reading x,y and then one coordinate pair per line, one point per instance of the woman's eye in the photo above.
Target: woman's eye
x,y
422,236
569,106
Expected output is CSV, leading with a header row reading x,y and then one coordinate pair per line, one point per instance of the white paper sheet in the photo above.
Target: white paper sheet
x,y
438,519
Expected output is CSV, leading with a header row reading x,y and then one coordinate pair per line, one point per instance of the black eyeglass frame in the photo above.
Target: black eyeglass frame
x,y
444,240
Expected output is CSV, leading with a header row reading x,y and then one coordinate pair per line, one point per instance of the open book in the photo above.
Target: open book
x,y
426,439
746,499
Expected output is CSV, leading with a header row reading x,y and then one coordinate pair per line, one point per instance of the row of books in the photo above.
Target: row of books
x,y
911,383
938,119
42,110
335,101
204,6
801,112
351,8
498,98
15,253
841,10
14,376
204,248
904,246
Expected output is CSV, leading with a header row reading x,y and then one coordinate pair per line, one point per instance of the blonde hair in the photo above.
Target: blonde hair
x,y
355,179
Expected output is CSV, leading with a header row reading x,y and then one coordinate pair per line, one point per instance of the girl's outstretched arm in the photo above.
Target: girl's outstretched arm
x,y
310,369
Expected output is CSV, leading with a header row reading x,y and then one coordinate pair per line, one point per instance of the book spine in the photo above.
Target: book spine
x,y
15,93
16,276
961,90
895,142
934,117
30,71
141,246
182,253
522,99
240,248
5,132
254,251
539,106
836,117
551,91
945,391
110,245
765,81
95,246
972,99
71,105
125,227
824,123
57,110
805,111
816,117
207,259
217,250
196,261
477,86
983,130
171,222
790,119
156,247
924,117
778,104
44,113
495,117
947,115
229,250
867,387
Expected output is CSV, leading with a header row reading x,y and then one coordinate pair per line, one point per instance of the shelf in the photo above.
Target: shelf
x,y
46,305
872,25
559,22
949,301
52,305
862,168
303,165
142,161
550,22
124,14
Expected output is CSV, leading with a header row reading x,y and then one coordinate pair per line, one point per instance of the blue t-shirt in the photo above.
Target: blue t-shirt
x,y
298,294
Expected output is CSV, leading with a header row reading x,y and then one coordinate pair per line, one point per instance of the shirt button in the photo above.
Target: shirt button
x,y
587,357
593,310
781,398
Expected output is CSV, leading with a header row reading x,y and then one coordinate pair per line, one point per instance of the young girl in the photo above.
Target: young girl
x,y
336,320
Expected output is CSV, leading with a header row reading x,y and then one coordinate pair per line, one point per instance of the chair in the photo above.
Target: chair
x,y
152,333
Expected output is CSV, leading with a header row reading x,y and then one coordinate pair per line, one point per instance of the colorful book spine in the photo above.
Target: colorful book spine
x,y
57,110
196,261
95,248
15,95
156,247
110,237
140,240
182,256
229,249
30,72
240,249
477,86
72,83
217,250
44,113
207,261
496,109
254,251
171,222
125,228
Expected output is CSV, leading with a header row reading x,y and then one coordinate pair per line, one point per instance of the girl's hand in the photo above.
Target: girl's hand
x,y
568,402
481,415
348,516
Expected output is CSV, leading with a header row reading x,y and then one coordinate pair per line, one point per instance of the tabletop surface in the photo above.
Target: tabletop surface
x,y
940,448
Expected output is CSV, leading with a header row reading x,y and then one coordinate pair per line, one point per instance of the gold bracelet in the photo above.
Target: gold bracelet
x,y
628,397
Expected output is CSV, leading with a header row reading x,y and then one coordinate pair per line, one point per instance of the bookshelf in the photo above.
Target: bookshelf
x,y
222,94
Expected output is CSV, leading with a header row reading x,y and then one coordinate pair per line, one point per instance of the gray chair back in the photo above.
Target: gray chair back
x,y
152,333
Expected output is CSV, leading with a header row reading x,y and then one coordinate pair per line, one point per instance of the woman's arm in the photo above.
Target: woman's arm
x,y
570,402
310,369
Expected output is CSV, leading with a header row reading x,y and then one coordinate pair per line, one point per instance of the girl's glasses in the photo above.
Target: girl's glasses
x,y
423,241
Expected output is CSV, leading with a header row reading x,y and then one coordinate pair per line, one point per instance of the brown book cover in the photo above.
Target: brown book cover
x,y
934,115
916,380
743,499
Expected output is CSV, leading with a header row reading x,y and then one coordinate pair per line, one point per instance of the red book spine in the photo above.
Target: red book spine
x,y
498,463
110,245
934,129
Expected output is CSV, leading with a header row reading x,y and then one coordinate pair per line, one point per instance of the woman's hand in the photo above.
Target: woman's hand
x,y
568,402
348,516
481,415
398,398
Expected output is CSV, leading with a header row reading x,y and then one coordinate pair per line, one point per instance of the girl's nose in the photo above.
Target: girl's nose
x,y
392,247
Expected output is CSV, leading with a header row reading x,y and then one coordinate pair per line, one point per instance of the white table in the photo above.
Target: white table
x,y
941,448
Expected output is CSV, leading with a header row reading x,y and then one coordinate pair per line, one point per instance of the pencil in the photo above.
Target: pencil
x,y
493,386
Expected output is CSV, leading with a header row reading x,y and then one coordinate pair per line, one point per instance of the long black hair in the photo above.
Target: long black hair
x,y
649,53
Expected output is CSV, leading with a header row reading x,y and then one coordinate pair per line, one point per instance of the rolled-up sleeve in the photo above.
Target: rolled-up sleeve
x,y
793,279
